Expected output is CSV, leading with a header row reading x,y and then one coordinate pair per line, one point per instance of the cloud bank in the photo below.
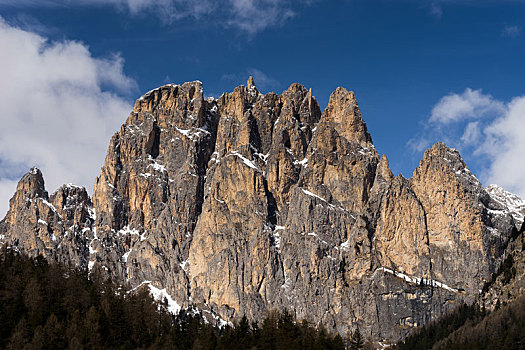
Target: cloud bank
x,y
504,142
56,109
488,132
471,104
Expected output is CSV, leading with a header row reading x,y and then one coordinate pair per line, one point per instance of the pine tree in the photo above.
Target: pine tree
x,y
53,333
356,341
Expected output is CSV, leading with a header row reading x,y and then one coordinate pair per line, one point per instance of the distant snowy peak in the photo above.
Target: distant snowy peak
x,y
514,204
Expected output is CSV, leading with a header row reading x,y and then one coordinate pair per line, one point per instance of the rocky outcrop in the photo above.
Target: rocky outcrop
x,y
150,191
505,203
58,227
253,201
464,237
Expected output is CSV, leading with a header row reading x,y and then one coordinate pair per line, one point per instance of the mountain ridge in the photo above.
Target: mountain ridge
x,y
249,202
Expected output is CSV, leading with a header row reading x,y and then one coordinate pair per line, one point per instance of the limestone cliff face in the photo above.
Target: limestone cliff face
x,y
150,191
401,236
462,234
253,201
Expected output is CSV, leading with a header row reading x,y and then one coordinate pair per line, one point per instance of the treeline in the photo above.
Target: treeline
x,y
49,306
502,329
470,327
428,335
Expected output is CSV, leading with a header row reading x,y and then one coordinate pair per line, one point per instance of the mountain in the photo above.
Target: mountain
x,y
253,202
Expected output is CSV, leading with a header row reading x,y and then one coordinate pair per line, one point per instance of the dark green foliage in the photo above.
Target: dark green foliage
x,y
48,306
278,331
356,341
469,327
502,329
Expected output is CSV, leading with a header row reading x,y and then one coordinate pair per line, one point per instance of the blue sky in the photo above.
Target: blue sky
x,y
423,71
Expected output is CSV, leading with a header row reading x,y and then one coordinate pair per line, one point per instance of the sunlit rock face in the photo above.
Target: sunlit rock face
x,y
253,202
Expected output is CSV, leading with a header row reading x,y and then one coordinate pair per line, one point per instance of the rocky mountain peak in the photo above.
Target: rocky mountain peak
x,y
439,153
57,227
343,111
251,83
31,185
509,202
73,204
187,99
447,161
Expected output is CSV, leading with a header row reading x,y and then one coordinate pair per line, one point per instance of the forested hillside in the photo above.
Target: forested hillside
x,y
49,306
470,327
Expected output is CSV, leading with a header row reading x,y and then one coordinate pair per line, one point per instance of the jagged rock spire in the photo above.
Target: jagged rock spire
x,y
31,185
251,83
343,111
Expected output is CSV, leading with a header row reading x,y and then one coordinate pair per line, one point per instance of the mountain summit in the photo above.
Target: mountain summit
x,y
252,202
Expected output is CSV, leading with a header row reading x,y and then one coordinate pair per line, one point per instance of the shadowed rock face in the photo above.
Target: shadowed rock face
x,y
252,202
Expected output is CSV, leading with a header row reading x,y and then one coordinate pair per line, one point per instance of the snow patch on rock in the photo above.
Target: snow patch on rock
x,y
513,204
418,280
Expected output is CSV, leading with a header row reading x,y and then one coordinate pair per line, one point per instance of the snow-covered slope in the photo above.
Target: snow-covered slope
x,y
514,204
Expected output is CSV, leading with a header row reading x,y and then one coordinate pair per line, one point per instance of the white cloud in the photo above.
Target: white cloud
x,y
255,15
419,143
472,133
167,10
30,23
7,188
471,104
489,133
250,16
511,31
505,145
54,110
